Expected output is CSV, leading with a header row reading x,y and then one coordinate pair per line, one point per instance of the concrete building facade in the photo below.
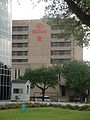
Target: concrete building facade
x,y
36,44
5,49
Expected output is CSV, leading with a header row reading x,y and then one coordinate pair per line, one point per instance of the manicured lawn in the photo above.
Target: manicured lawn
x,y
44,114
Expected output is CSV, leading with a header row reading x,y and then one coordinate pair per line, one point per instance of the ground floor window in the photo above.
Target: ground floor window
x,y
16,90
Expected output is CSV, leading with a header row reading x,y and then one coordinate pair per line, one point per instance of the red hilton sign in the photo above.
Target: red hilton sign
x,y
39,30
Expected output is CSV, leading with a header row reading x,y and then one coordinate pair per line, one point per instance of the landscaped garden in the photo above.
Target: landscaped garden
x,y
44,113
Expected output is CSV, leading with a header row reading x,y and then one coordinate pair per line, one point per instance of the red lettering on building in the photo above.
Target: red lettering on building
x,y
39,25
38,31
39,38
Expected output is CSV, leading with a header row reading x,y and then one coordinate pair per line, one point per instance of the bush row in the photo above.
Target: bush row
x,y
30,105
9,106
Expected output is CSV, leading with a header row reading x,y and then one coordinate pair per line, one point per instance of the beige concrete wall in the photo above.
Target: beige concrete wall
x,y
39,50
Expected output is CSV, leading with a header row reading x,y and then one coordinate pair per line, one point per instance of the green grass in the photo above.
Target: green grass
x,y
44,114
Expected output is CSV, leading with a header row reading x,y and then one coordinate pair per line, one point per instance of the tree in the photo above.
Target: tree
x,y
72,29
60,11
77,76
81,8
43,78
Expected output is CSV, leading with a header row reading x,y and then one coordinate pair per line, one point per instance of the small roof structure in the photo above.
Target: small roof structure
x,y
19,81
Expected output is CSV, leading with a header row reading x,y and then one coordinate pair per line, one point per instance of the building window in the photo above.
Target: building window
x,y
15,73
19,60
60,44
27,89
59,61
62,35
17,91
19,45
57,27
20,53
60,52
20,28
19,37
21,91
18,72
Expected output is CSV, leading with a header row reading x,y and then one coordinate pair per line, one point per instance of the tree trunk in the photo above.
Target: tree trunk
x,y
43,94
83,97
85,18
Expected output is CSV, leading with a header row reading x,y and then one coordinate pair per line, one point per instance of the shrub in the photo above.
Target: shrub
x,y
30,105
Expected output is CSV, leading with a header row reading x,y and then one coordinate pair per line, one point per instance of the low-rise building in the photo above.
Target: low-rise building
x,y
20,90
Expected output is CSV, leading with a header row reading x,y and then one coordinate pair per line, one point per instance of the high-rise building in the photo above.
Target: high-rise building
x,y
36,44
5,49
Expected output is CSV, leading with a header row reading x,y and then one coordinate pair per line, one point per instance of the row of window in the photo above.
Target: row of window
x,y
57,35
60,44
20,45
53,61
53,44
25,28
60,52
59,61
53,52
57,27
5,80
5,92
20,28
4,69
20,53
20,37
3,66
19,60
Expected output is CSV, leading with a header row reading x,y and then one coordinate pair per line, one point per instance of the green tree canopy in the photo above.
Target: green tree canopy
x,y
43,78
77,76
81,8
60,12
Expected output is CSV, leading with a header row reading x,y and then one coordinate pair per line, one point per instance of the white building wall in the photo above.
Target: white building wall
x,y
23,96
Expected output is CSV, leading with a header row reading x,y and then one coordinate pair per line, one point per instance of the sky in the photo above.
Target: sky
x,y
23,9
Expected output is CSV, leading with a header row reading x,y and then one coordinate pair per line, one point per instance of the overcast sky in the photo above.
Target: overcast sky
x,y
25,10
